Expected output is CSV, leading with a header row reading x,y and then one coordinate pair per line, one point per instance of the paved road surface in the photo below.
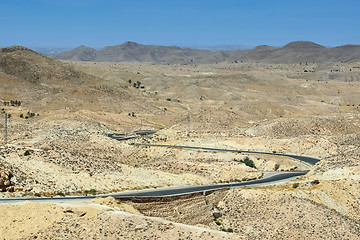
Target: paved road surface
x,y
174,191
310,160
168,191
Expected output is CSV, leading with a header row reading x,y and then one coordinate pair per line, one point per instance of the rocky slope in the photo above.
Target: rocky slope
x,y
32,67
267,213
98,219
261,214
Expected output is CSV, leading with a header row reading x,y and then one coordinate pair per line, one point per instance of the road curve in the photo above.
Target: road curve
x,y
175,191
166,191
310,160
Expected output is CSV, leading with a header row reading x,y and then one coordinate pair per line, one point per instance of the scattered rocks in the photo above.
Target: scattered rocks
x,y
118,225
5,180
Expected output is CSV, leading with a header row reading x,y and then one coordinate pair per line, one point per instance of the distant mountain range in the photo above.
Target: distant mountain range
x,y
222,47
294,52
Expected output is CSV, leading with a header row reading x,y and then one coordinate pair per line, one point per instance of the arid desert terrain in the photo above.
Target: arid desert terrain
x,y
58,146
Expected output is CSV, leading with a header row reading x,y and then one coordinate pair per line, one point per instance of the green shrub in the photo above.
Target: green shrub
x,y
248,162
295,185
91,191
277,166
60,194
230,230
27,153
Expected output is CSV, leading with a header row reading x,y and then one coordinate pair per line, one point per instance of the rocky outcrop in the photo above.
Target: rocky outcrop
x,y
5,179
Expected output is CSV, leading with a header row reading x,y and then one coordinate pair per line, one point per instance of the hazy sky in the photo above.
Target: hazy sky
x,y
95,23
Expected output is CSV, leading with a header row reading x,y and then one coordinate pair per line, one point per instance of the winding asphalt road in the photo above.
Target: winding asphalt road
x,y
310,160
165,192
175,191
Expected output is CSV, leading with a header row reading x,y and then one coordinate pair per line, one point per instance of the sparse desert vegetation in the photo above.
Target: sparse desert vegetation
x,y
63,148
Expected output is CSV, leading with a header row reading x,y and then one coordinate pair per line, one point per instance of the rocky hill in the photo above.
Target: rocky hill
x,y
25,64
81,53
43,84
131,51
294,52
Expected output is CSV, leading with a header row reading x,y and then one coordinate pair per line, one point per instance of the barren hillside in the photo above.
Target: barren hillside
x,y
62,112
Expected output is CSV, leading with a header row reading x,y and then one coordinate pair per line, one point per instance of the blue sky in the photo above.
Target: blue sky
x,y
95,23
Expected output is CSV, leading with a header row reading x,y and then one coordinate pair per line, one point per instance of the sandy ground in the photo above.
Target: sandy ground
x,y
99,219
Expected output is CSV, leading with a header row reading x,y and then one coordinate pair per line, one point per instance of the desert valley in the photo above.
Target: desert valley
x,y
299,99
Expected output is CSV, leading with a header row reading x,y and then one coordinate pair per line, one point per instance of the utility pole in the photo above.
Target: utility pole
x,y
188,118
7,116
5,134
